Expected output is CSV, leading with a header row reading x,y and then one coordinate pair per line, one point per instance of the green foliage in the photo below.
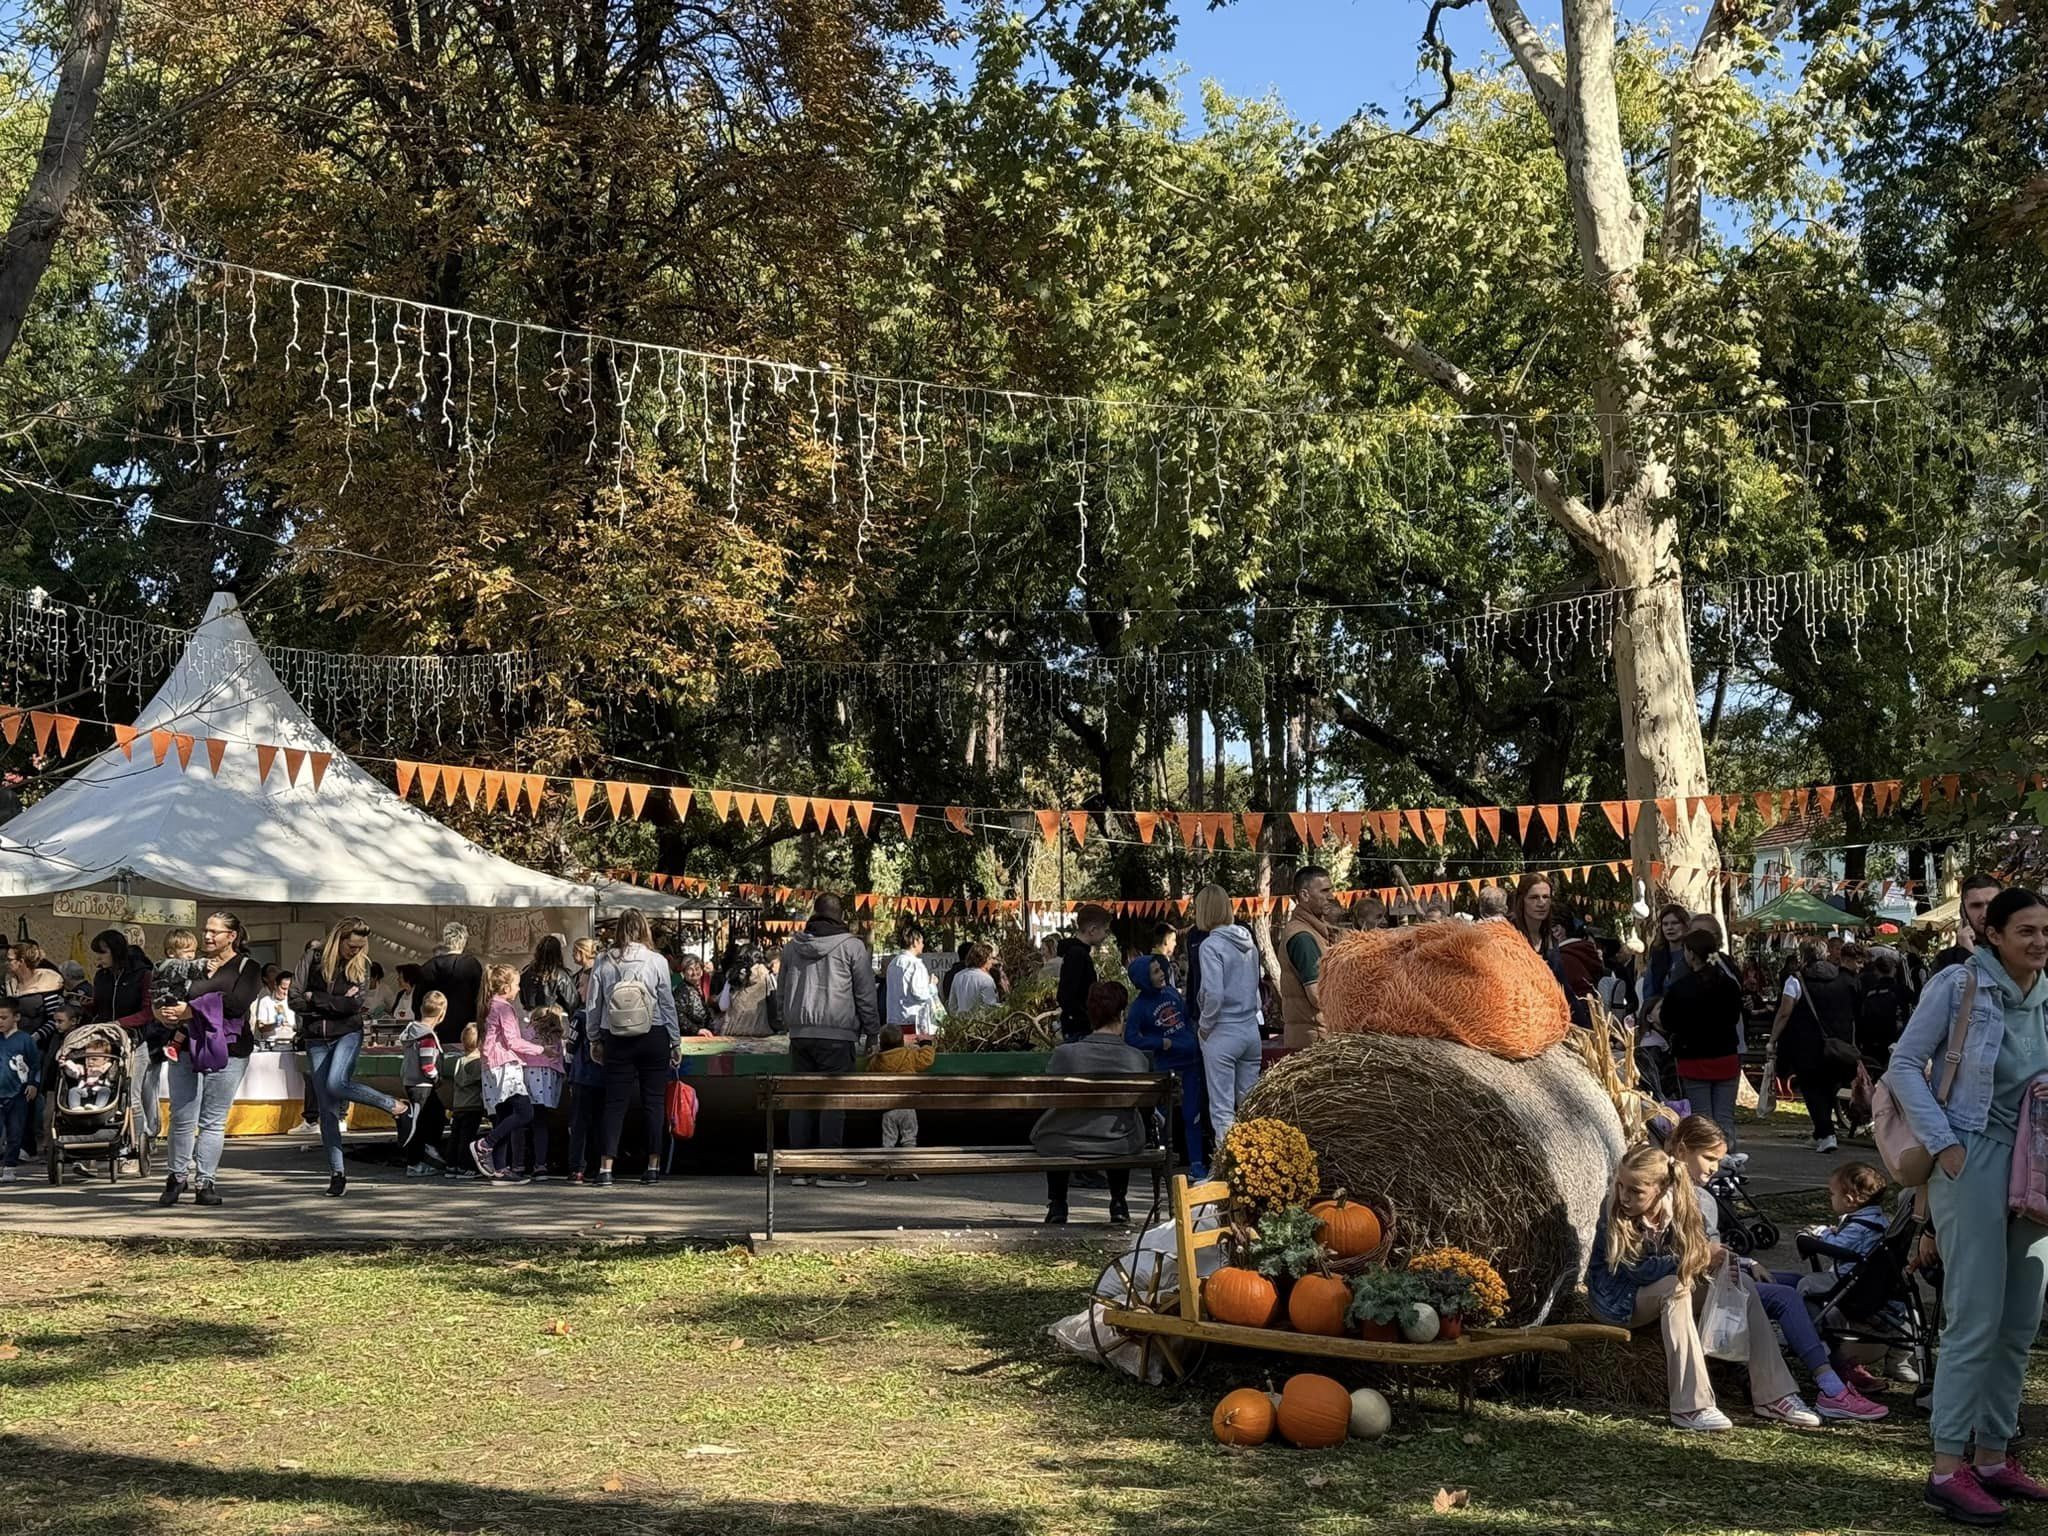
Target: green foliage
x,y
1285,1245
1382,1295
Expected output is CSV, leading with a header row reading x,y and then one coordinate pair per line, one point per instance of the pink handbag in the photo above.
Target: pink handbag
x,y
1907,1160
2026,1194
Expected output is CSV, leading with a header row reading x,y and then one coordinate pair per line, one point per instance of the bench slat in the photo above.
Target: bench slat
x,y
878,1160
898,1091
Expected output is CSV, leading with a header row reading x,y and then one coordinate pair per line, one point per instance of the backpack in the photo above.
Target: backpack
x,y
682,1110
629,1009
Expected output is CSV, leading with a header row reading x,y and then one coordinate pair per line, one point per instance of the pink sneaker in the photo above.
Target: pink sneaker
x,y
1963,1499
1861,1381
1849,1404
2012,1481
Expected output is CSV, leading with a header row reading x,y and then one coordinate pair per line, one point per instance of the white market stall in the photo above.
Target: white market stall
x,y
138,837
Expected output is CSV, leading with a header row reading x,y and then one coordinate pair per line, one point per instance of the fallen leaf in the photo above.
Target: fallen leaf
x,y
735,1346
10,1351
558,1328
1317,1480
1473,1437
613,1484
291,1466
1446,1500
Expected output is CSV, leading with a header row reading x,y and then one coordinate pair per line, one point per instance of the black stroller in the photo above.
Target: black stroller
x,y
89,1111
1744,1227
1878,1302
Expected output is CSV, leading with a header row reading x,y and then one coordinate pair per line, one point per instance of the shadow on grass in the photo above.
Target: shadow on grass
x,y
113,1494
58,1359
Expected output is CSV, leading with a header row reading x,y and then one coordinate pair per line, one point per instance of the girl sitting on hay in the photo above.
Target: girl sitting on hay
x,y
1649,1250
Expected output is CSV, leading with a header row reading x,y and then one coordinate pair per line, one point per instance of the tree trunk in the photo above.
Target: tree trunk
x,y
60,164
1196,750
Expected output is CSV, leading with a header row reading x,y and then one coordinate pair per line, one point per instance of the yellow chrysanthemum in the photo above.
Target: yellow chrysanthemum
x,y
1269,1163
1489,1291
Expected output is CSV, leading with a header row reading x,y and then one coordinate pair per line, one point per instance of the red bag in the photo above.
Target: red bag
x,y
682,1110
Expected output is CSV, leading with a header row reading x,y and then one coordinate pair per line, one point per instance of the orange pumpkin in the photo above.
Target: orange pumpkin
x,y
1345,1228
1244,1417
1241,1296
1315,1412
1317,1304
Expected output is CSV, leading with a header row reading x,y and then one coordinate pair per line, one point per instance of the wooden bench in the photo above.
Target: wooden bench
x,y
885,1091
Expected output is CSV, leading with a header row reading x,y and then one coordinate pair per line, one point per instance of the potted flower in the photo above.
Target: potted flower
x,y
1462,1287
1381,1299
1283,1247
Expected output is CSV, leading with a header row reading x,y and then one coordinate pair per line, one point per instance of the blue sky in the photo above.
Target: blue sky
x,y
1323,58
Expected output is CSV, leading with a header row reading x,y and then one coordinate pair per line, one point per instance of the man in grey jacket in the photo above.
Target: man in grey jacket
x,y
827,996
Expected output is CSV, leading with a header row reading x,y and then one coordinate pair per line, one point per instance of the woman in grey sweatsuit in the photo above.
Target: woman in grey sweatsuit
x,y
1995,1266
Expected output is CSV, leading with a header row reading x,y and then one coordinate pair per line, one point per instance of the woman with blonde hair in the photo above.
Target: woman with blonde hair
x,y
1227,1008
331,1011
1649,1251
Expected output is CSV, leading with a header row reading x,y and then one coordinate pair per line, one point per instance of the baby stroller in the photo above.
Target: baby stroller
x,y
1878,1303
86,1119
1744,1228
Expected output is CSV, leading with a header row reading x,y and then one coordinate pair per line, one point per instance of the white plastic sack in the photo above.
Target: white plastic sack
x,y
1724,1324
1150,1268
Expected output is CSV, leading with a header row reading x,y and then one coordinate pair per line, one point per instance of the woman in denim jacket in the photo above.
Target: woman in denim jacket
x,y
1996,1266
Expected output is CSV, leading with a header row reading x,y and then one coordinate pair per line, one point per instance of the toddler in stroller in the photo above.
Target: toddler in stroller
x,y
90,1113
88,1079
1870,1297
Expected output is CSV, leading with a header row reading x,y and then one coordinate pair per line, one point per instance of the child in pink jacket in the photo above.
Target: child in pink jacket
x,y
507,1053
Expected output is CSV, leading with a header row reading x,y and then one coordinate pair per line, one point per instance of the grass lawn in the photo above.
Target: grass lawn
x,y
158,1392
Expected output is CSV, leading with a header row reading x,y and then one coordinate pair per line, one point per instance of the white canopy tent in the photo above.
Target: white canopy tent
x,y
287,858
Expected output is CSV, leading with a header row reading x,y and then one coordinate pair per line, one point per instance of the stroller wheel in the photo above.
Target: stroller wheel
x,y
1765,1234
1736,1237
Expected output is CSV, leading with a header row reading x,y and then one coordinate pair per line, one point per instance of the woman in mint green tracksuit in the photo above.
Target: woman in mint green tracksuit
x,y
1995,1267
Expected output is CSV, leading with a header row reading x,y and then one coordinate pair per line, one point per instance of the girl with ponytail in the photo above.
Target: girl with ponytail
x,y
1650,1251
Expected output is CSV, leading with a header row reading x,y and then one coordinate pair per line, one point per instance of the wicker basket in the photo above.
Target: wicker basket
x,y
1359,1263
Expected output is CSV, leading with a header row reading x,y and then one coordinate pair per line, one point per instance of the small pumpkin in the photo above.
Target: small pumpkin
x,y
1421,1325
1346,1228
1370,1415
1315,1412
1241,1296
1317,1304
1244,1417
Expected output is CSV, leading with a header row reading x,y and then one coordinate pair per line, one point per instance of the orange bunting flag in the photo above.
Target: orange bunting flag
x,y
1616,817
721,802
1413,821
956,817
1826,795
160,744
636,799
1668,809
1077,823
614,796
10,724
1469,815
1927,793
863,814
185,745
124,738
67,731
494,788
580,790
831,818
472,780
1148,823
1886,792
407,772
1951,783
1549,814
1767,807
1254,824
1572,812
1049,825
907,814
679,794
1191,827
431,779
216,749
1489,818
295,759
799,808
1299,821
44,724
265,756
1524,814
1220,830
1350,824
1318,827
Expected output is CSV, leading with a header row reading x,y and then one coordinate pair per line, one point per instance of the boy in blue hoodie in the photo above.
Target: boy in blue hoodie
x,y
1158,1024
20,1071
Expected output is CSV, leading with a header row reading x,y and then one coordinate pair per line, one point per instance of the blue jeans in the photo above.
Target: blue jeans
x,y
200,1102
14,1115
331,1064
1716,1101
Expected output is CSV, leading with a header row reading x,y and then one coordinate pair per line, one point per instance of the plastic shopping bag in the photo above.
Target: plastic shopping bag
x,y
1767,1091
1724,1324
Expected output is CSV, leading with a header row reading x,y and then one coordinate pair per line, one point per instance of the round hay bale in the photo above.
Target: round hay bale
x,y
1509,1159
1479,984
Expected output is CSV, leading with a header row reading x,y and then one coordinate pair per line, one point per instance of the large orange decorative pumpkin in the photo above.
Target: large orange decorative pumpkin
x,y
1347,1229
1315,1412
1244,1417
1317,1304
1241,1296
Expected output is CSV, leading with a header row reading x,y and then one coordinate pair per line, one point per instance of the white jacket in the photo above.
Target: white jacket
x,y
1229,1001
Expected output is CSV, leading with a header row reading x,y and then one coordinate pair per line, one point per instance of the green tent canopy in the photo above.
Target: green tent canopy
x,y
1801,909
